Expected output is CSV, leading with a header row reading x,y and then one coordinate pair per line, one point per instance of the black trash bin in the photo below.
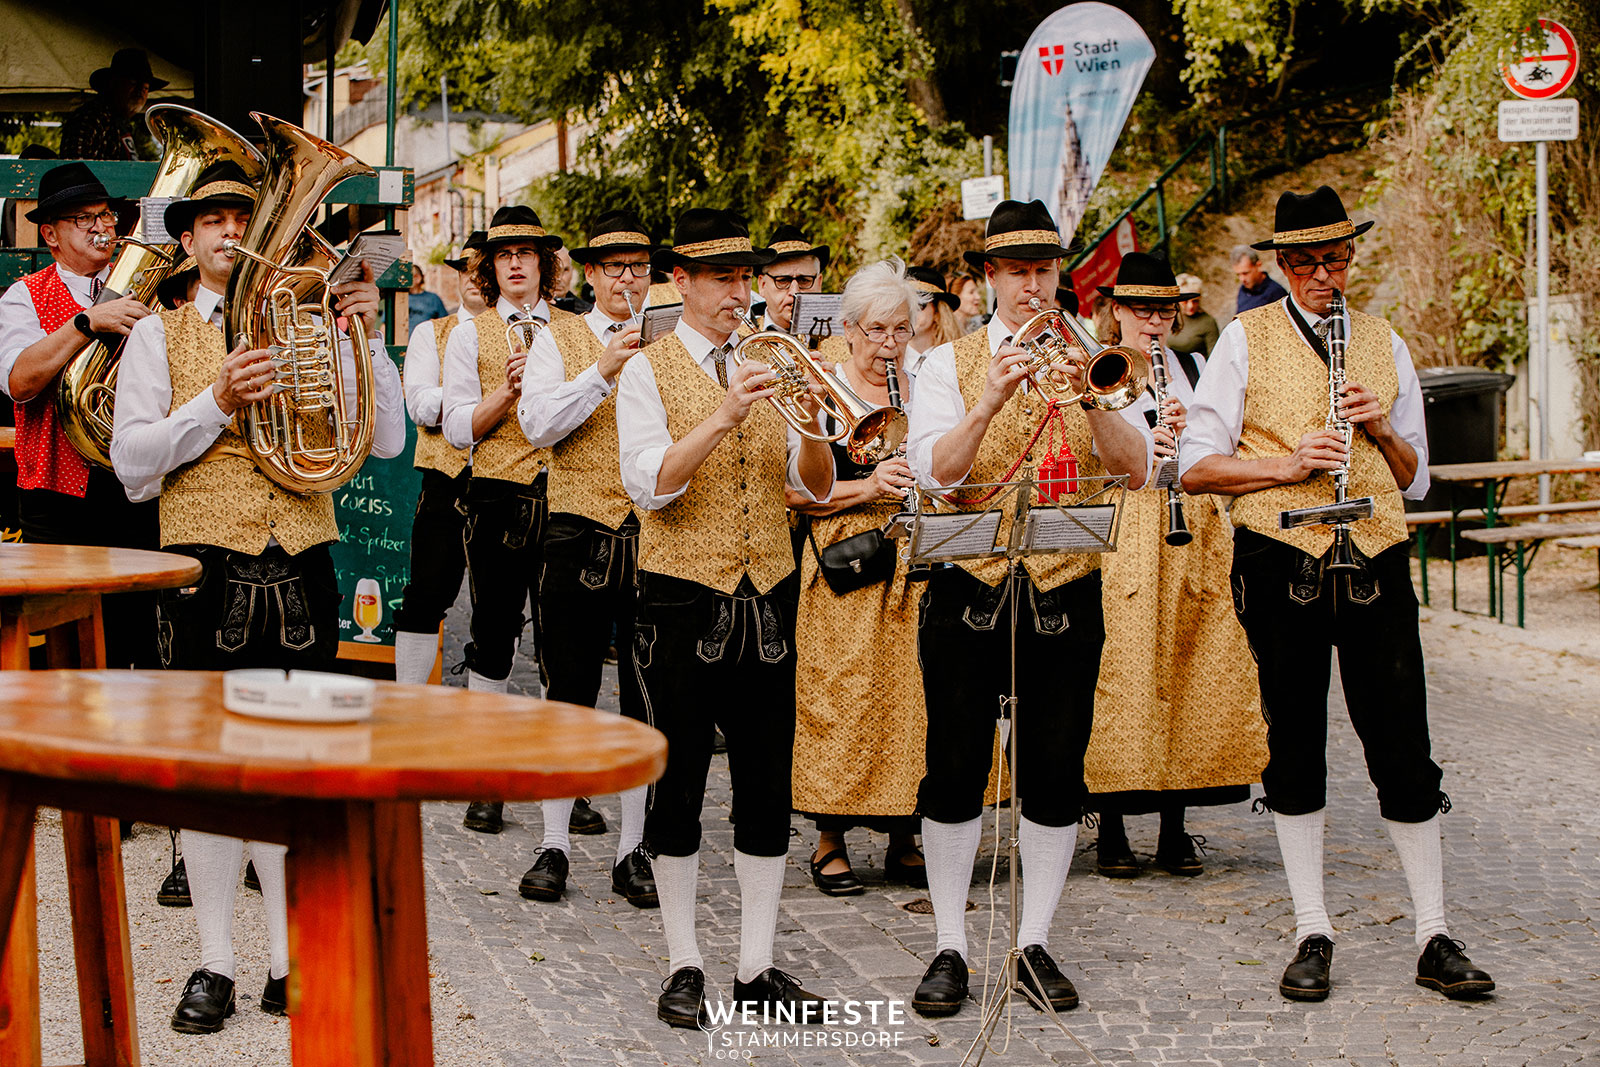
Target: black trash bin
x,y
1463,408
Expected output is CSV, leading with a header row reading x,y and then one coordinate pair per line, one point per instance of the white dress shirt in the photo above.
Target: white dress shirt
x,y
147,443
19,319
552,407
642,432
463,392
1216,418
424,386
941,407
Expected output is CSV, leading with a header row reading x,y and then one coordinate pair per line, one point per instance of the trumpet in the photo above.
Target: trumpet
x,y
869,433
520,334
1113,376
1177,529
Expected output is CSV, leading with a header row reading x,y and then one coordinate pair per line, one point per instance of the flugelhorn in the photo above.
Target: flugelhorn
x,y
520,334
306,437
1177,529
86,387
1113,376
870,433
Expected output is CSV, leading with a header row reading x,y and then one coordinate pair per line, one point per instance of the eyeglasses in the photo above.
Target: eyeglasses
x,y
1163,313
87,219
1305,268
511,255
803,282
617,270
880,334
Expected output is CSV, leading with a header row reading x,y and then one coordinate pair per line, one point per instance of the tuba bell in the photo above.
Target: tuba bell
x,y
86,387
1114,375
305,437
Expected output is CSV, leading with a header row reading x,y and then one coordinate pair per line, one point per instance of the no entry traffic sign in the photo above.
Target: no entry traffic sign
x,y
1547,67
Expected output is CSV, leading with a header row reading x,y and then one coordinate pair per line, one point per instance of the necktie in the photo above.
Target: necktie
x,y
95,288
721,356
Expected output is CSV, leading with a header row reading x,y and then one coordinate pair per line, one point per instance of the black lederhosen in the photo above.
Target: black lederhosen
x,y
587,601
504,545
438,553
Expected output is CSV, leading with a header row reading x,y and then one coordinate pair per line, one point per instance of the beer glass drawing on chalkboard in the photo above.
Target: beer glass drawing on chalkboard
x,y
368,611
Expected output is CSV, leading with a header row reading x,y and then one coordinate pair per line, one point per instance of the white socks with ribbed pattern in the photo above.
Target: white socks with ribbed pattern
x,y
760,887
269,861
949,849
1300,841
1046,853
677,882
414,655
1421,855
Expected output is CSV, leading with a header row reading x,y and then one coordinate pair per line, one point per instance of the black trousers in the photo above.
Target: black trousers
x,y
103,516
438,553
587,600
271,610
504,543
1294,613
964,645
707,660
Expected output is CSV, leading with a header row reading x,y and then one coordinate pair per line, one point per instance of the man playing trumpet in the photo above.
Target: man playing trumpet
x,y
1258,431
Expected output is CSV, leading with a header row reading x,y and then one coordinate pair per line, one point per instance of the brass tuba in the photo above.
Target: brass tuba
x,y
1114,375
86,387
304,437
869,433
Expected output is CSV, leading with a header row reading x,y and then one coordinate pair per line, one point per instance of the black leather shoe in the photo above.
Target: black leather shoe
x,y
584,819
207,1000
634,880
275,996
943,988
1306,978
251,879
843,884
774,988
683,999
1179,856
547,878
174,892
895,869
1045,979
485,817
1114,859
1444,966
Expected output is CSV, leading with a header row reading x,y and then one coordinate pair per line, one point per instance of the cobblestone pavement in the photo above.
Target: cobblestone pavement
x,y
1170,970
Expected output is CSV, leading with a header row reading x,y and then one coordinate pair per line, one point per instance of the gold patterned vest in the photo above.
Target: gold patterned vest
x,y
1005,439
503,452
730,521
1286,398
433,452
221,498
585,474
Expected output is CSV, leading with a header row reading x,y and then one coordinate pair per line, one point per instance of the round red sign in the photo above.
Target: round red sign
x,y
1547,67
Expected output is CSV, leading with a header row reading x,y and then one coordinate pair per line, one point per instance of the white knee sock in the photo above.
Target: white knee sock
x,y
1300,841
557,815
212,862
477,683
633,813
760,886
1420,855
677,882
413,656
1046,853
949,849
275,895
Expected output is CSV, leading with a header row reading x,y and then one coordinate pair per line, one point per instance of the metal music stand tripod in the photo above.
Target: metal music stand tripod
x,y
1038,527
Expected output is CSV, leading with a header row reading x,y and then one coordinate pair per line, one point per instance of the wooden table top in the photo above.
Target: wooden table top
x,y
1532,531
168,730
35,570
1509,468
8,437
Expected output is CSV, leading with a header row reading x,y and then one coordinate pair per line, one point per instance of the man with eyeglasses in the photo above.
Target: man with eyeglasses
x,y
1257,432
586,588
45,320
798,269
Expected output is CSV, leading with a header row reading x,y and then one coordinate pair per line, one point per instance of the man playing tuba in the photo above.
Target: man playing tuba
x,y
266,595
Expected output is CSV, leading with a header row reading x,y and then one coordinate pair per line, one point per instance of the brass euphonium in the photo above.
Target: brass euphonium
x,y
86,387
1114,375
870,433
305,437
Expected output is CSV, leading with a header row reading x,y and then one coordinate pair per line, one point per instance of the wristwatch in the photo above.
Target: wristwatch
x,y
80,322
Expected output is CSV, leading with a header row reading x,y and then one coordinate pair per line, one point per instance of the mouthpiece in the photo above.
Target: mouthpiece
x,y
1035,304
101,241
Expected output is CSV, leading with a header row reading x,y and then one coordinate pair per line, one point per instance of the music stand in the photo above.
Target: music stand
x,y
1089,523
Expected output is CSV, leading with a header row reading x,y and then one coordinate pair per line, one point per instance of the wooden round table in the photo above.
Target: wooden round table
x,y
158,747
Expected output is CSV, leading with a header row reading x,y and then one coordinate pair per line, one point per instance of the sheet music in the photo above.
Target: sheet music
x,y
955,536
658,322
380,248
817,314
1166,474
153,221
1074,529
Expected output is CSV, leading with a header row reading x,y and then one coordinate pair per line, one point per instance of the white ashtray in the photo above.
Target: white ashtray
x,y
298,696
1592,456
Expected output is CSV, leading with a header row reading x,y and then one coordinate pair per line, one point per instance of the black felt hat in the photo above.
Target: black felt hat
x,y
929,281
711,237
71,184
518,223
1019,231
615,231
1316,218
131,63
175,286
1141,276
474,240
789,241
222,184
1067,299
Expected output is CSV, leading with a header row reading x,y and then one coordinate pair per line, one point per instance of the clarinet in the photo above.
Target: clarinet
x,y
1342,559
1177,529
